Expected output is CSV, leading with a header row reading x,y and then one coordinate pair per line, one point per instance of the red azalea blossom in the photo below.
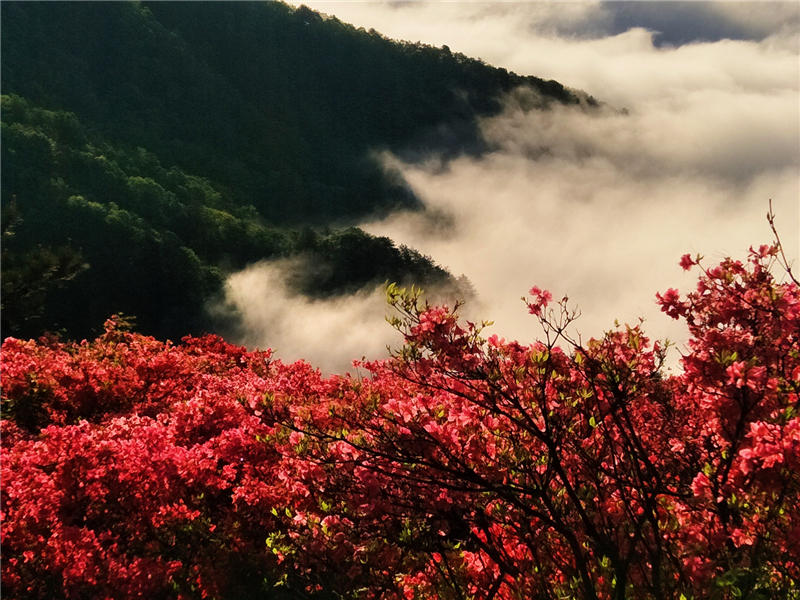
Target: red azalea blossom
x,y
540,300
457,468
686,262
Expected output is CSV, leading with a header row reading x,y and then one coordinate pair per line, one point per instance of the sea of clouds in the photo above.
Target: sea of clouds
x,y
598,204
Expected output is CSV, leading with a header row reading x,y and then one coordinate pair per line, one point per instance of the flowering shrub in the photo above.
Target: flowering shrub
x,y
461,467
131,469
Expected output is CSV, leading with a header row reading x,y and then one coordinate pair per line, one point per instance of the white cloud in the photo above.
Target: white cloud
x,y
599,206
329,334
606,233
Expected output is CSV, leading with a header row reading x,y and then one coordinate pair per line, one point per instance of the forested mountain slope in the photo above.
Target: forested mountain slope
x,y
164,144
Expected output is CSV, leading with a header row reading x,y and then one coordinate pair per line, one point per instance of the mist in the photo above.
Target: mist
x,y
595,204
328,333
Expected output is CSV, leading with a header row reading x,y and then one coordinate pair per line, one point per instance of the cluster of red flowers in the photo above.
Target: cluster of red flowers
x,y
459,468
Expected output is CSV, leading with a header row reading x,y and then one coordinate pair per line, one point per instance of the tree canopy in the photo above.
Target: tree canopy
x,y
167,144
143,239
281,106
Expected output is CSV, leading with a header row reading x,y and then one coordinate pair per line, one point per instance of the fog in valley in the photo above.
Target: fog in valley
x,y
698,131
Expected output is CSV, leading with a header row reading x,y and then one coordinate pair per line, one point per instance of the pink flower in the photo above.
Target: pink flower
x,y
687,262
701,486
539,301
742,538
764,250
670,303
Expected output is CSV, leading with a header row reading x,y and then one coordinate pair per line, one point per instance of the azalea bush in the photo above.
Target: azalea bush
x,y
463,466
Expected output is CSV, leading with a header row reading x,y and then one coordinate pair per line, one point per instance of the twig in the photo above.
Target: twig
x,y
784,263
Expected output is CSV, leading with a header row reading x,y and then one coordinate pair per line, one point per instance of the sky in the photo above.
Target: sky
x,y
595,205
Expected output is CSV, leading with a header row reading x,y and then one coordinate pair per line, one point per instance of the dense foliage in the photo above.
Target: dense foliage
x,y
150,148
281,106
138,233
460,467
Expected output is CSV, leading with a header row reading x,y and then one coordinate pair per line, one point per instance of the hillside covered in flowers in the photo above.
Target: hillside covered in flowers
x,y
462,466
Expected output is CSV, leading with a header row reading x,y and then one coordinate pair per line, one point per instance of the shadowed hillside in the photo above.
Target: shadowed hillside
x,y
157,146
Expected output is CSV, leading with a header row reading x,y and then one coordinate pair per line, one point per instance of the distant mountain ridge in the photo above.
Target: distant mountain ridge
x,y
170,142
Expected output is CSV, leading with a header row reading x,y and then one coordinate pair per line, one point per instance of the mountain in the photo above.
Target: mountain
x,y
148,149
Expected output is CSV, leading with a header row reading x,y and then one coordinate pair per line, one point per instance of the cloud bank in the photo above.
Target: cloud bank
x,y
598,205
329,334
